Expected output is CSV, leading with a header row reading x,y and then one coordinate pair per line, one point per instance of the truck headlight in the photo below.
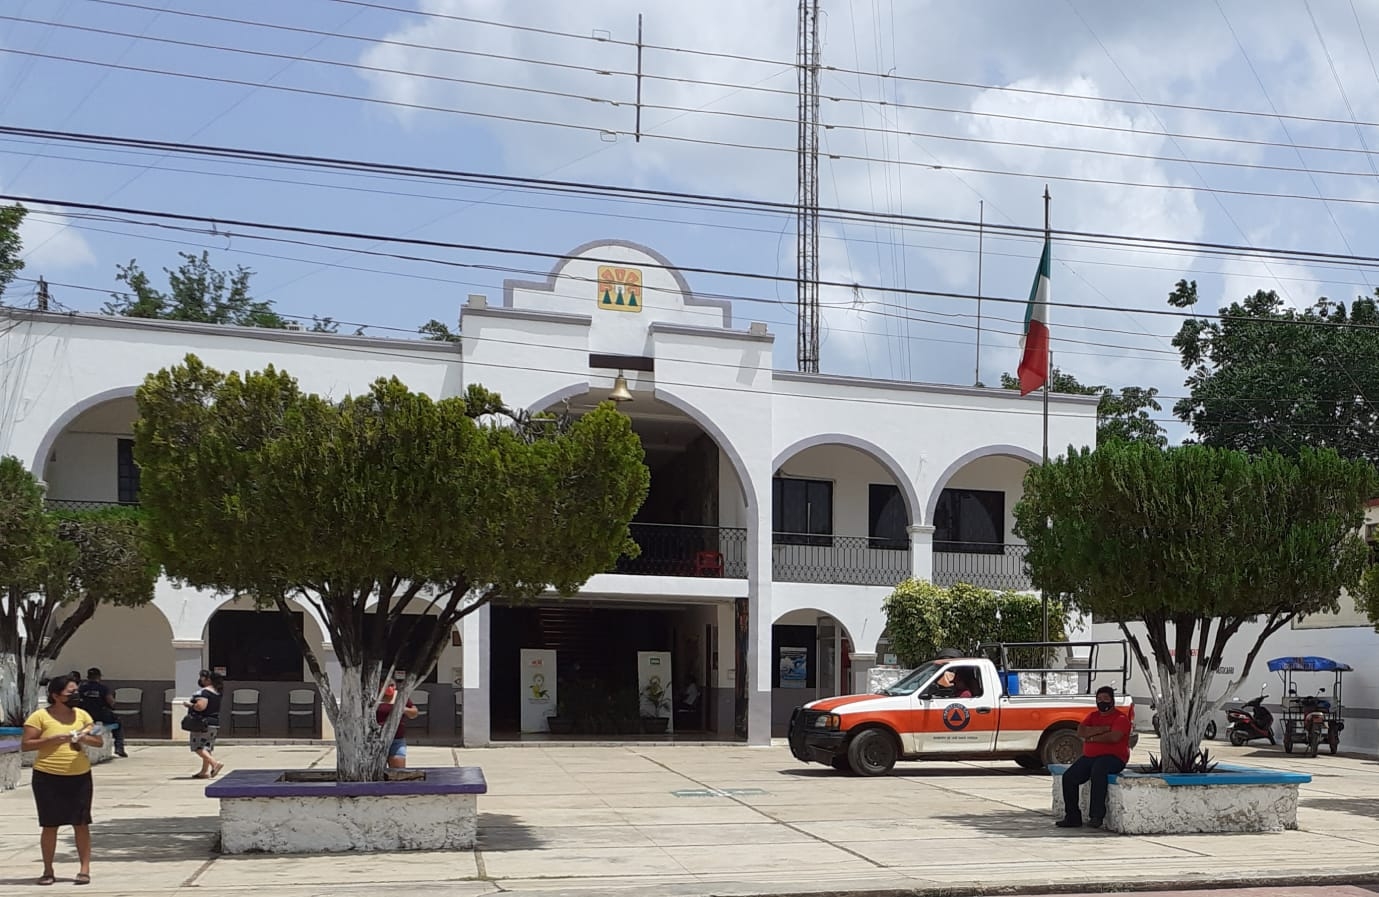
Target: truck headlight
x,y
827,721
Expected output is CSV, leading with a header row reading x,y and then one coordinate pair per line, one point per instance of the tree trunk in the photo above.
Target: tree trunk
x,y
11,702
361,754
1183,711
31,670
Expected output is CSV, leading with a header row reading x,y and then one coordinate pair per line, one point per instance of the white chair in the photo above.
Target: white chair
x,y
301,710
244,709
129,709
169,695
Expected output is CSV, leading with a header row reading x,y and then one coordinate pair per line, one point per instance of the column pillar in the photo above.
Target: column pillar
x,y
330,663
477,641
861,665
759,615
922,552
188,661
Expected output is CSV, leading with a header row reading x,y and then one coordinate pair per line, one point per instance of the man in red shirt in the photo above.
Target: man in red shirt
x,y
1105,735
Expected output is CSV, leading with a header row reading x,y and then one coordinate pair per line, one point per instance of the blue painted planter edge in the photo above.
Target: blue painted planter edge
x,y
267,783
1226,774
9,745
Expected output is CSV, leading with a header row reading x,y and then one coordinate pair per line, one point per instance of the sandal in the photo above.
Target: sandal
x,y
202,775
83,878
48,879
215,770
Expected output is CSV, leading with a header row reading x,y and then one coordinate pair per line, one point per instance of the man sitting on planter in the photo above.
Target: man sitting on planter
x,y
1105,737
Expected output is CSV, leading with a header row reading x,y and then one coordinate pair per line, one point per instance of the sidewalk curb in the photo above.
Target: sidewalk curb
x,y
1225,883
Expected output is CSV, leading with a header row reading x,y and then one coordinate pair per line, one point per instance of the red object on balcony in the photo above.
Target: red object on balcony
x,y
708,563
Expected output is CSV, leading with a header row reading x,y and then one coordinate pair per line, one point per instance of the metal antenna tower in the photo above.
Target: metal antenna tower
x,y
807,204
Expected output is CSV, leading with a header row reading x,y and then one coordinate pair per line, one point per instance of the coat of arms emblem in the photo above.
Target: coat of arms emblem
x,y
620,289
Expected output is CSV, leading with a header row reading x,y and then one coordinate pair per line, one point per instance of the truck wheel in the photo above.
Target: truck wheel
x,y
1061,747
841,764
1028,761
872,752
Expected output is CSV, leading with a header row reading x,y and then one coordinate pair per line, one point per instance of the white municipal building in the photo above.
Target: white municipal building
x,y
783,506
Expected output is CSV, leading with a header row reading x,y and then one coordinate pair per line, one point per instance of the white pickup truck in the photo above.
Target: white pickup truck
x,y
984,713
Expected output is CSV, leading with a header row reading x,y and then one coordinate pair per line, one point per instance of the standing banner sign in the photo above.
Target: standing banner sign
x,y
538,689
653,667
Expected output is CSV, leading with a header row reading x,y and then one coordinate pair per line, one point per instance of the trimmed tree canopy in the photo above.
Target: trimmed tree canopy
x,y
358,506
1194,542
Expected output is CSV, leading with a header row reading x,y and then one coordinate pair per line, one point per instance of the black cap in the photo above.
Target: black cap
x,y
93,673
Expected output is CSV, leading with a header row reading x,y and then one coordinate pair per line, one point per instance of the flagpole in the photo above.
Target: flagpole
x,y
1043,593
981,222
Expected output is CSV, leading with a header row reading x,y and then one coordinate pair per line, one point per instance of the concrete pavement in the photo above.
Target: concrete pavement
x,y
684,821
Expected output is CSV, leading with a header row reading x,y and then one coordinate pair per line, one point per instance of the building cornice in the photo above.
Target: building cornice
x,y
928,388
709,332
233,331
526,314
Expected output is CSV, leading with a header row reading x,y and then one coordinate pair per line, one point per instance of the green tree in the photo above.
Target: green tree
x,y
1124,415
1269,377
1194,542
197,291
359,506
435,330
11,217
55,570
922,619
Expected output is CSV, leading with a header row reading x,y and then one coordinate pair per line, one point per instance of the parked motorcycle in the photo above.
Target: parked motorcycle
x,y
1250,721
1316,712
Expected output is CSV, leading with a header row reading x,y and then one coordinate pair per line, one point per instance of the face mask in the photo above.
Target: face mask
x,y
1104,706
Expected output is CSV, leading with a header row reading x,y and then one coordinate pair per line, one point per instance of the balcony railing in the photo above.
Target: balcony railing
x,y
80,504
999,567
854,560
678,550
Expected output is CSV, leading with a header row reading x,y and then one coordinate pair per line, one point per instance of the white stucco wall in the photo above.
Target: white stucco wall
x,y
127,643
335,825
533,345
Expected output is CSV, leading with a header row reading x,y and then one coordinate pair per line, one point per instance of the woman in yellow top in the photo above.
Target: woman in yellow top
x,y
62,774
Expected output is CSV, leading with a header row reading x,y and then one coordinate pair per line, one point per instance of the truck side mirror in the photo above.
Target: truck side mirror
x,y
925,696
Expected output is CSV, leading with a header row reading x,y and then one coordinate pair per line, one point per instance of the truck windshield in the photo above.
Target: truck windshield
x,y
911,683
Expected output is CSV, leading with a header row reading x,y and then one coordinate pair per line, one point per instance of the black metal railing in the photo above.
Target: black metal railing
x,y
988,566
81,504
678,550
854,560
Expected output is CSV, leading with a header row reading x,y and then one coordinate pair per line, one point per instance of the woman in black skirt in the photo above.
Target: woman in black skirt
x,y
62,774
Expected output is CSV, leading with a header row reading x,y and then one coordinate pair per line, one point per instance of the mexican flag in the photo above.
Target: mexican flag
x,y
1034,362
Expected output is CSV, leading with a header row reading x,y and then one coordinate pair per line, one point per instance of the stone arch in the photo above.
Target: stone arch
x,y
128,644
45,446
1019,453
725,445
320,636
574,255
877,454
560,395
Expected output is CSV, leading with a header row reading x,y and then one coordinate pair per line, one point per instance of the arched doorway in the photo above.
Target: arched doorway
x,y
810,659
132,646
89,460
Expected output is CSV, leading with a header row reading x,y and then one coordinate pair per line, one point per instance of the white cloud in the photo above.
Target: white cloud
x,y
50,245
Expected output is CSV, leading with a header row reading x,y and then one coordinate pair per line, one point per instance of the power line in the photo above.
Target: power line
x,y
604,191
616,72
748,116
623,132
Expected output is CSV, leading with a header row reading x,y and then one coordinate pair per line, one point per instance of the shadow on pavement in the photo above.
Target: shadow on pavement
x,y
1008,823
112,844
501,832
1357,806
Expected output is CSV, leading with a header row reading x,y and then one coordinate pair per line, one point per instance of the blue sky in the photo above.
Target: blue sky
x,y
972,145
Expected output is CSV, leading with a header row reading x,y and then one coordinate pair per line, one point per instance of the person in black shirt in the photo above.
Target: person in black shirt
x,y
98,699
206,704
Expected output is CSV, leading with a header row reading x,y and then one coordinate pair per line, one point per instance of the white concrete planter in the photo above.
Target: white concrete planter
x,y
261,813
9,764
1231,799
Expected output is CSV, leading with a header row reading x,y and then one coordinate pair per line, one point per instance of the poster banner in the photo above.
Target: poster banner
x,y
653,675
538,689
794,667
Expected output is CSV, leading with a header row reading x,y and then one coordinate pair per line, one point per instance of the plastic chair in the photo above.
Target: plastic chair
x,y
244,709
129,708
169,695
301,710
422,700
708,563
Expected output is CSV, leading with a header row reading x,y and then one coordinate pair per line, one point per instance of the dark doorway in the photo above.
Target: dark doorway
x,y
596,659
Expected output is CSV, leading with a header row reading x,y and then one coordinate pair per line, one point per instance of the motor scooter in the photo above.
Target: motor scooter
x,y
1250,721
1315,710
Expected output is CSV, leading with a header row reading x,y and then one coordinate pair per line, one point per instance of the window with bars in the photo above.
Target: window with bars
x,y
887,521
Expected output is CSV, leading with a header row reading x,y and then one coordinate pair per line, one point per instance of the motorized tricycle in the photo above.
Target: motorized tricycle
x,y
1311,719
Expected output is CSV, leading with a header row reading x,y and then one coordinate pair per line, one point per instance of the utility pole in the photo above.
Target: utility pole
x,y
43,297
807,195
981,227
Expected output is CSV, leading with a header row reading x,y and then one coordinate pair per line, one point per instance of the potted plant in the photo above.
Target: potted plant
x,y
655,707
